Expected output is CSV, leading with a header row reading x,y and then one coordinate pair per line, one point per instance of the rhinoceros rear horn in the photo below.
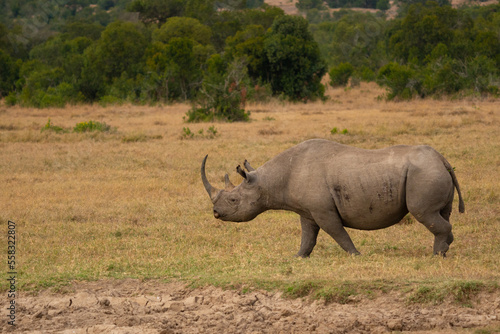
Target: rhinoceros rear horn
x,y
229,185
212,191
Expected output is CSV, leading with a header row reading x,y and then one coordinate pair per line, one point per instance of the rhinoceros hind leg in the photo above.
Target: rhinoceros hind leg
x,y
332,224
309,235
445,213
441,229
450,239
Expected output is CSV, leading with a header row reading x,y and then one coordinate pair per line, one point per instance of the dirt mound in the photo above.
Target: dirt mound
x,y
133,306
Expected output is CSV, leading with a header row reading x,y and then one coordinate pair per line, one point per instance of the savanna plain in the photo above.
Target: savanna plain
x,y
119,222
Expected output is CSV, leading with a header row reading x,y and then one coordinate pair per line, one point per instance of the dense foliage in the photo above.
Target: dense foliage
x,y
318,4
430,49
219,54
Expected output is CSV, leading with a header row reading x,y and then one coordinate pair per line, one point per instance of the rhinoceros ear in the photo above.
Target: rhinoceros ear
x,y
229,185
241,172
248,167
249,177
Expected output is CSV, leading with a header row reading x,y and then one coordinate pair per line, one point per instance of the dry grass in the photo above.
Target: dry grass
x,y
90,206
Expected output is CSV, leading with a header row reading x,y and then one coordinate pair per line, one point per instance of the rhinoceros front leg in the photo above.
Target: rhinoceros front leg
x,y
331,223
309,235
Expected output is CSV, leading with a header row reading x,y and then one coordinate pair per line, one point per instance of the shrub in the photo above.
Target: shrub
x,y
383,4
294,65
51,99
11,99
309,4
211,133
222,95
335,130
51,127
401,81
107,100
91,126
260,93
366,74
339,75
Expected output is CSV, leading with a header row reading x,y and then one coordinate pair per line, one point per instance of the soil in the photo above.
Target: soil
x,y
134,306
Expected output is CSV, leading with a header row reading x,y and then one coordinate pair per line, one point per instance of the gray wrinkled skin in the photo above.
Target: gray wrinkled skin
x,y
333,186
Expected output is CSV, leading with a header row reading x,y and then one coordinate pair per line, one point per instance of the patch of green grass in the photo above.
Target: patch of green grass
x,y
338,294
464,291
492,330
427,295
336,130
461,292
187,133
53,128
139,137
210,133
91,126
300,289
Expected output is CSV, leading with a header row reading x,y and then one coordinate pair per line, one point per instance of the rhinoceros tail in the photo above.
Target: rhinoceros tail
x,y
461,204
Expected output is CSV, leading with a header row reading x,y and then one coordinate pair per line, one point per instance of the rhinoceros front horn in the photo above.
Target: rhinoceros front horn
x,y
212,191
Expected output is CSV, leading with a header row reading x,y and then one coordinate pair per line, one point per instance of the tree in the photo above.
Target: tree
x,y
121,49
9,73
249,46
383,5
356,38
422,29
177,67
72,30
92,79
184,27
264,16
223,93
156,11
309,4
401,81
202,10
293,61
339,75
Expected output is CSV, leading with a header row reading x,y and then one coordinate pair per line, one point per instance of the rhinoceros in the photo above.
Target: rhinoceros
x,y
333,186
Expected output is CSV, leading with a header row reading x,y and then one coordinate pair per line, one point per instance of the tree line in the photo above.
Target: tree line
x,y
430,49
220,54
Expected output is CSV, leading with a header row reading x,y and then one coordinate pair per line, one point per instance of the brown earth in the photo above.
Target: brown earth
x,y
133,306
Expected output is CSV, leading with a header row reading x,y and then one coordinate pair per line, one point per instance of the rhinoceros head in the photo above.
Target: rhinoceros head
x,y
235,203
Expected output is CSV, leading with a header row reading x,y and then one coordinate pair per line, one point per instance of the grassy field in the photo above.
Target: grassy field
x,y
129,202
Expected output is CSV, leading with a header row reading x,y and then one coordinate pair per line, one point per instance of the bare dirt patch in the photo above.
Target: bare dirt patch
x,y
134,306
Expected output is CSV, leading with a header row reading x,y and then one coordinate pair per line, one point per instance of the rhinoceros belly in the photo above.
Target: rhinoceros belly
x,y
370,201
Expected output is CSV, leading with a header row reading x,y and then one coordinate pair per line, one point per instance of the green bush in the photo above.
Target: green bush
x,y
223,93
91,126
260,93
211,133
309,4
366,74
51,99
339,75
51,127
294,65
11,99
401,81
107,100
383,4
